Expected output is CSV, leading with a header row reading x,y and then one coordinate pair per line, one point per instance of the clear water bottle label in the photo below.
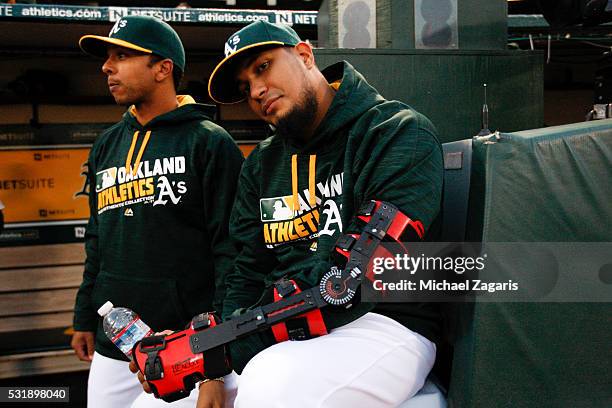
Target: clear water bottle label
x,y
132,333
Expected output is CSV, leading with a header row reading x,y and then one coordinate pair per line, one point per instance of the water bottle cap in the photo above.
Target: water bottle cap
x,y
105,308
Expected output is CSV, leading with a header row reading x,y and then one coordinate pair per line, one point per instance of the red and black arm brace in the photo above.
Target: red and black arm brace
x,y
174,363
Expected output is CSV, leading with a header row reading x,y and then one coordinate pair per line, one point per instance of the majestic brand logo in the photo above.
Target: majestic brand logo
x,y
128,212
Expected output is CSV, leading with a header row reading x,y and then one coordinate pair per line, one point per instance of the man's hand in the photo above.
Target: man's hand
x,y
145,385
212,395
143,382
83,344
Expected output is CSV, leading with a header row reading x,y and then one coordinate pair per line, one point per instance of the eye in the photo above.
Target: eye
x,y
121,55
263,66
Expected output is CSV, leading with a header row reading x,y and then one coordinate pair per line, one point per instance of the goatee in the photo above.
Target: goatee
x,y
297,123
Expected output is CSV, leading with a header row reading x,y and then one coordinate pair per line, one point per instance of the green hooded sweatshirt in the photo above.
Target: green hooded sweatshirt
x,y
295,199
157,240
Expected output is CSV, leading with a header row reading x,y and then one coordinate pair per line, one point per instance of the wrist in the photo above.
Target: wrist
x,y
207,380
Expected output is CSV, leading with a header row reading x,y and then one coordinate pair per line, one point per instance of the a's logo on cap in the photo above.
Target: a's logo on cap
x,y
231,45
118,26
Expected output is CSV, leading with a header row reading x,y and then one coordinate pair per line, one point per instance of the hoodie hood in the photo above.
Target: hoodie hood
x,y
187,110
352,87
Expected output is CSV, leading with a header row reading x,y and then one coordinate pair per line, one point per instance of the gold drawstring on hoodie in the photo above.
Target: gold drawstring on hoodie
x,y
181,100
128,160
312,172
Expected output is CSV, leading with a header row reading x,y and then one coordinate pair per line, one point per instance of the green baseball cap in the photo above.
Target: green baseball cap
x,y
141,33
222,85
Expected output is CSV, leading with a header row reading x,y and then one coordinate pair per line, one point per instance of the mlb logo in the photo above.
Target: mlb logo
x,y
276,209
105,179
37,156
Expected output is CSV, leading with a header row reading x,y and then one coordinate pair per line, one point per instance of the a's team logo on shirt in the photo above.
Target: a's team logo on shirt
x,y
285,220
105,179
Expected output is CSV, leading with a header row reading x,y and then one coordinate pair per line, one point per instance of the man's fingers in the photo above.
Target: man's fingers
x,y
83,344
80,352
146,388
145,385
80,348
90,347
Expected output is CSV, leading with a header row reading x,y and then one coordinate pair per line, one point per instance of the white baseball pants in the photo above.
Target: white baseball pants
x,y
372,362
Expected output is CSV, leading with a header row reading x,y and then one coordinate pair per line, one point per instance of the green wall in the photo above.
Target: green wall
x,y
447,85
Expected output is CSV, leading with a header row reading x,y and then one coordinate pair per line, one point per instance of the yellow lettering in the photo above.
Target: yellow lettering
x,y
267,234
100,200
292,236
273,228
282,231
106,197
308,219
140,188
122,194
299,227
149,186
113,198
132,189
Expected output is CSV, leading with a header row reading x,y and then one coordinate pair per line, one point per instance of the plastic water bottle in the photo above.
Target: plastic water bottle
x,y
123,327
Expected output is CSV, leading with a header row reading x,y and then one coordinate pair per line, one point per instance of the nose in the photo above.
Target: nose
x,y
258,89
108,67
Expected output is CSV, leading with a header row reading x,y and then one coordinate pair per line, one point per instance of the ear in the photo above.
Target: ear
x,y
304,51
164,70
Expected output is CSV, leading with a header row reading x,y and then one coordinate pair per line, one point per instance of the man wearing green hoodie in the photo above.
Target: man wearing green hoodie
x,y
162,182
337,144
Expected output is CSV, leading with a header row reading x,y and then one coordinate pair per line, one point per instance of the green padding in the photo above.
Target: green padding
x,y
544,185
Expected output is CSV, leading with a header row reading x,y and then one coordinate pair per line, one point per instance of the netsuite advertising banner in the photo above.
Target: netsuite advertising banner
x,y
42,185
